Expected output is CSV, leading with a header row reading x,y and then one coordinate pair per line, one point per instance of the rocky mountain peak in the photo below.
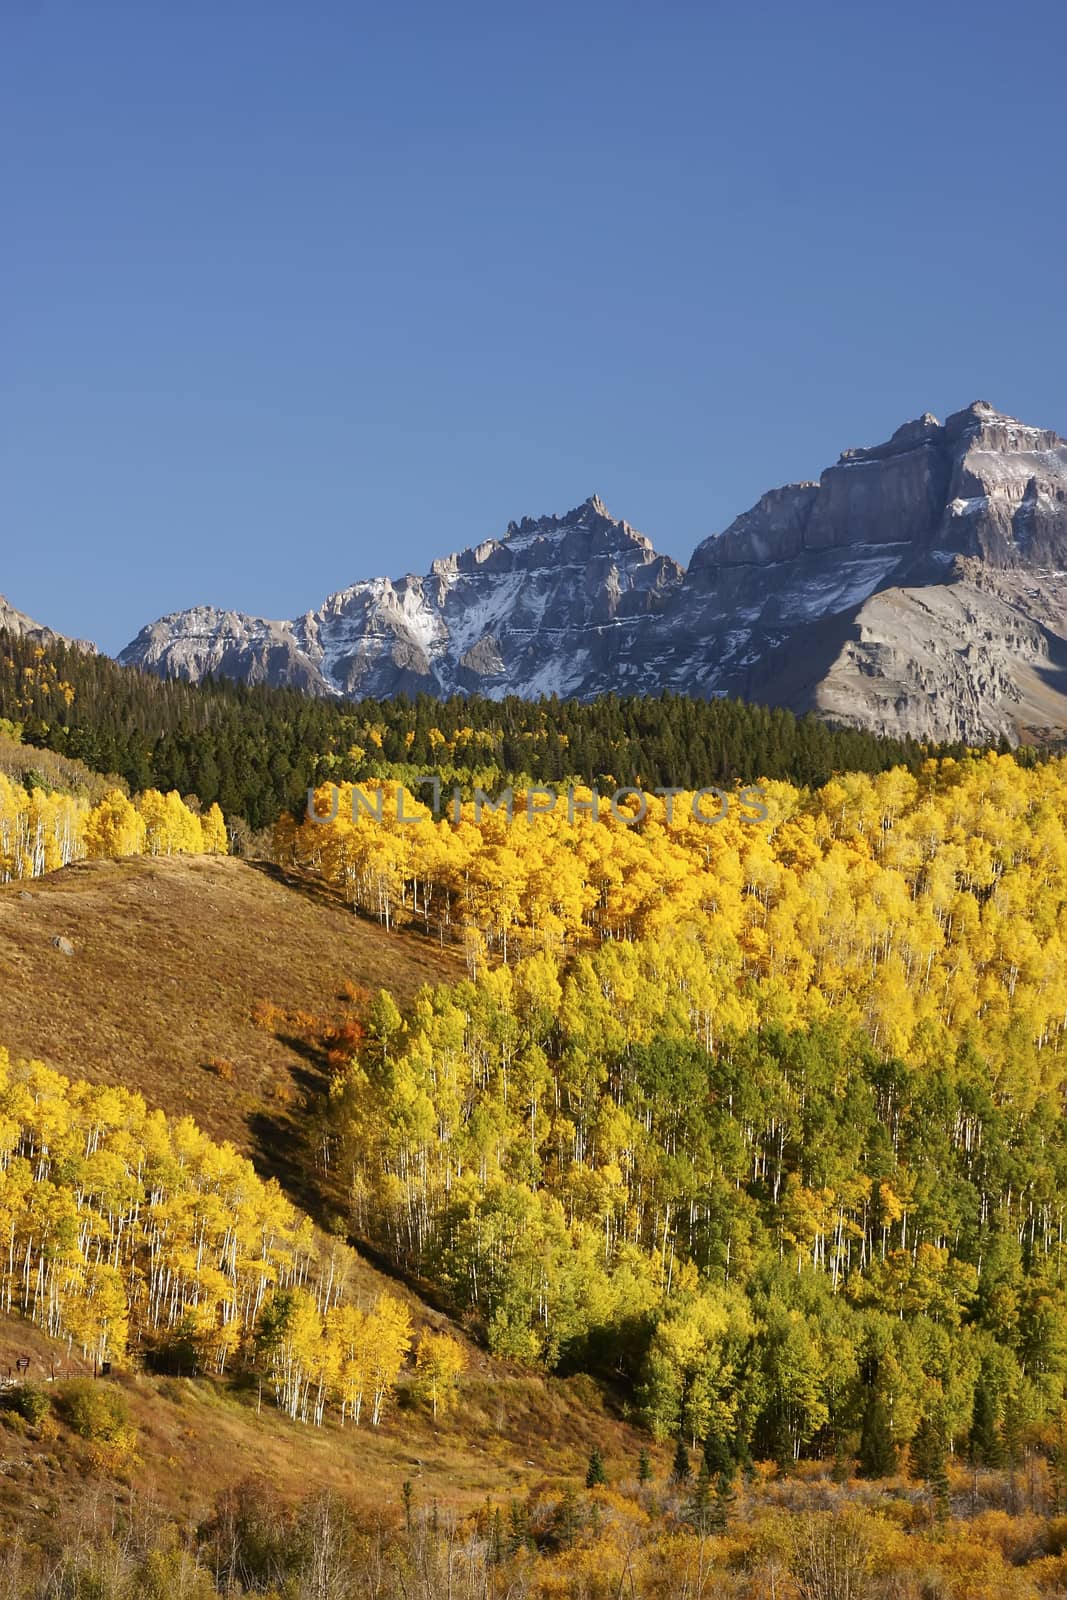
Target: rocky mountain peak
x,y
914,586
998,430
910,436
592,516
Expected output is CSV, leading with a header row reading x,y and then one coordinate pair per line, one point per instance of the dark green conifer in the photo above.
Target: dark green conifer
x,y
680,1470
984,1446
878,1452
928,1452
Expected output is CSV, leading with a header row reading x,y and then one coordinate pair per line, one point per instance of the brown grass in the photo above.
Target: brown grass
x,y
197,1437
178,963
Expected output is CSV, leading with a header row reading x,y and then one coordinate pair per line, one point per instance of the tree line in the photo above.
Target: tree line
x,y
43,829
255,750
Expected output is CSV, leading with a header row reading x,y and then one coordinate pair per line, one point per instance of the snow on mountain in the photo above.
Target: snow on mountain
x,y
916,586
537,611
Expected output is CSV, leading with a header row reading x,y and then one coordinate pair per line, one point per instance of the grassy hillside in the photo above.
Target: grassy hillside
x,y
174,960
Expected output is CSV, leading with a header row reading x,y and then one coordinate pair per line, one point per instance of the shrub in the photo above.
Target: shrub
x,y
97,1412
268,1016
27,1401
12,1422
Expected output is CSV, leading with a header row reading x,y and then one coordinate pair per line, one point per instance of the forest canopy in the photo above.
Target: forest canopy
x,y
768,1118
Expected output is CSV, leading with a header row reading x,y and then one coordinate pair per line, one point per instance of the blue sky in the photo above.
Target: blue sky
x,y
294,295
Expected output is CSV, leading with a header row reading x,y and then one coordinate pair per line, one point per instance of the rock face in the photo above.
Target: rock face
x,y
980,484
543,610
919,586
17,622
968,660
193,644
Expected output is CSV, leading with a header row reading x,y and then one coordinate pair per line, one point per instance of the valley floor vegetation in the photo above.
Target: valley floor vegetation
x,y
655,1539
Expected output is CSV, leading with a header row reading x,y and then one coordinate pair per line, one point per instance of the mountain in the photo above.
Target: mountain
x,y
546,609
917,587
17,622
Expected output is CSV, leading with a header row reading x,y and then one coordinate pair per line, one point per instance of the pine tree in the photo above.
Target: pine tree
x,y
878,1454
1015,1452
644,1467
984,1445
928,1452
518,1528
568,1517
721,1464
595,1474
841,1470
700,1512
680,1471
718,1454
724,1500
743,1455
496,1537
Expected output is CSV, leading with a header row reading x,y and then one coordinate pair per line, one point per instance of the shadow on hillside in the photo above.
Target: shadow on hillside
x,y
423,1288
285,1150
321,893
1054,675
314,889
790,674
285,1139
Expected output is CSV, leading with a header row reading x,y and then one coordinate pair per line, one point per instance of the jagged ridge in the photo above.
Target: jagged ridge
x,y
917,587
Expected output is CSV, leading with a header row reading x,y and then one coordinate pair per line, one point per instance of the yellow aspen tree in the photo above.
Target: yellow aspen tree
x,y
389,1338
439,1362
214,838
114,827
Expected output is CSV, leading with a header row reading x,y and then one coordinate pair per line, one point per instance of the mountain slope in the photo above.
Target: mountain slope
x,y
180,965
958,528
18,623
